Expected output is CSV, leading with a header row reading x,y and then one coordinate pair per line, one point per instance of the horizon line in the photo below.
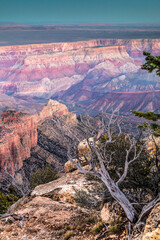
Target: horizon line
x,y
80,24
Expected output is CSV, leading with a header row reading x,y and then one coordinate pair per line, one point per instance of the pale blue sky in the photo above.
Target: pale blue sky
x,y
80,11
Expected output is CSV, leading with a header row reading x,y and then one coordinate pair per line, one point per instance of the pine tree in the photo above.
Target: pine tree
x,y
152,64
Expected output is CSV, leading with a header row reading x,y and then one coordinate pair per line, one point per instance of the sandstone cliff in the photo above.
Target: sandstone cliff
x,y
53,108
28,142
18,135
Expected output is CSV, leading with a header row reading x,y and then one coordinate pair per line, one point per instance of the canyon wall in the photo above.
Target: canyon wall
x,y
17,136
20,133
32,74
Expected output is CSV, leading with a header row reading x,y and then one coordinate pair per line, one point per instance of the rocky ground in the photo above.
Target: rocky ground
x,y
47,219
70,207
53,212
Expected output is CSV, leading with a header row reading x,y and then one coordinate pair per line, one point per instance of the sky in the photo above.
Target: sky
x,y
80,11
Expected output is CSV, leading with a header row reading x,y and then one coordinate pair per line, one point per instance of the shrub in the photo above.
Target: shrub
x,y
68,235
80,228
85,199
6,201
43,176
67,227
90,220
114,229
97,228
116,226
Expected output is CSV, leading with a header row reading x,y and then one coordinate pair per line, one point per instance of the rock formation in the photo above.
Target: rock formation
x,y
66,187
152,227
53,108
52,212
18,135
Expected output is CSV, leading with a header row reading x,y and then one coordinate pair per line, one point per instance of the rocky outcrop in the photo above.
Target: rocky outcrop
x,y
69,167
153,146
152,227
53,108
30,142
42,218
18,135
73,188
82,70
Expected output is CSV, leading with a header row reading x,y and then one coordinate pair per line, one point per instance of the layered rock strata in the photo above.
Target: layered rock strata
x,y
18,135
78,72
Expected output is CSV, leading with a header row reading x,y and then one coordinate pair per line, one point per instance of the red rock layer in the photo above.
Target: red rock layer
x,y
54,108
18,135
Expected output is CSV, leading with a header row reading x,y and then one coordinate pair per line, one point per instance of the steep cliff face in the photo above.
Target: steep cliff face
x,y
18,135
35,73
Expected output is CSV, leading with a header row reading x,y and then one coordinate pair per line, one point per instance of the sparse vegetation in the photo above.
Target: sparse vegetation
x,y
114,226
80,228
68,235
42,176
67,227
90,220
84,199
6,201
97,228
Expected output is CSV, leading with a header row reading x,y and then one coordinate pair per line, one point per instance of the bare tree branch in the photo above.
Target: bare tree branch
x,y
100,155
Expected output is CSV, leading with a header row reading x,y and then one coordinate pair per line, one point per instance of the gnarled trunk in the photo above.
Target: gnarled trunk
x,y
119,196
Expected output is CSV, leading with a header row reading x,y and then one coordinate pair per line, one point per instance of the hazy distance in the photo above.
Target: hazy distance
x,y
36,34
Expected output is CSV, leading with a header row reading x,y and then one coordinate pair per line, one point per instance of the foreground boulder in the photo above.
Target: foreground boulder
x,y
152,227
73,188
69,167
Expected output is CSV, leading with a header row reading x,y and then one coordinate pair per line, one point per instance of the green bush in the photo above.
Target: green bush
x,y
42,176
84,198
6,201
68,235
114,226
139,171
97,228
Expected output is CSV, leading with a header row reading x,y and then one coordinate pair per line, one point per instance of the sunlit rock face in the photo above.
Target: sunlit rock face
x,y
23,136
79,74
53,108
18,135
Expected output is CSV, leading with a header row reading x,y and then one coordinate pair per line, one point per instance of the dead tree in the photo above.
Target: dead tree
x,y
21,189
98,158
